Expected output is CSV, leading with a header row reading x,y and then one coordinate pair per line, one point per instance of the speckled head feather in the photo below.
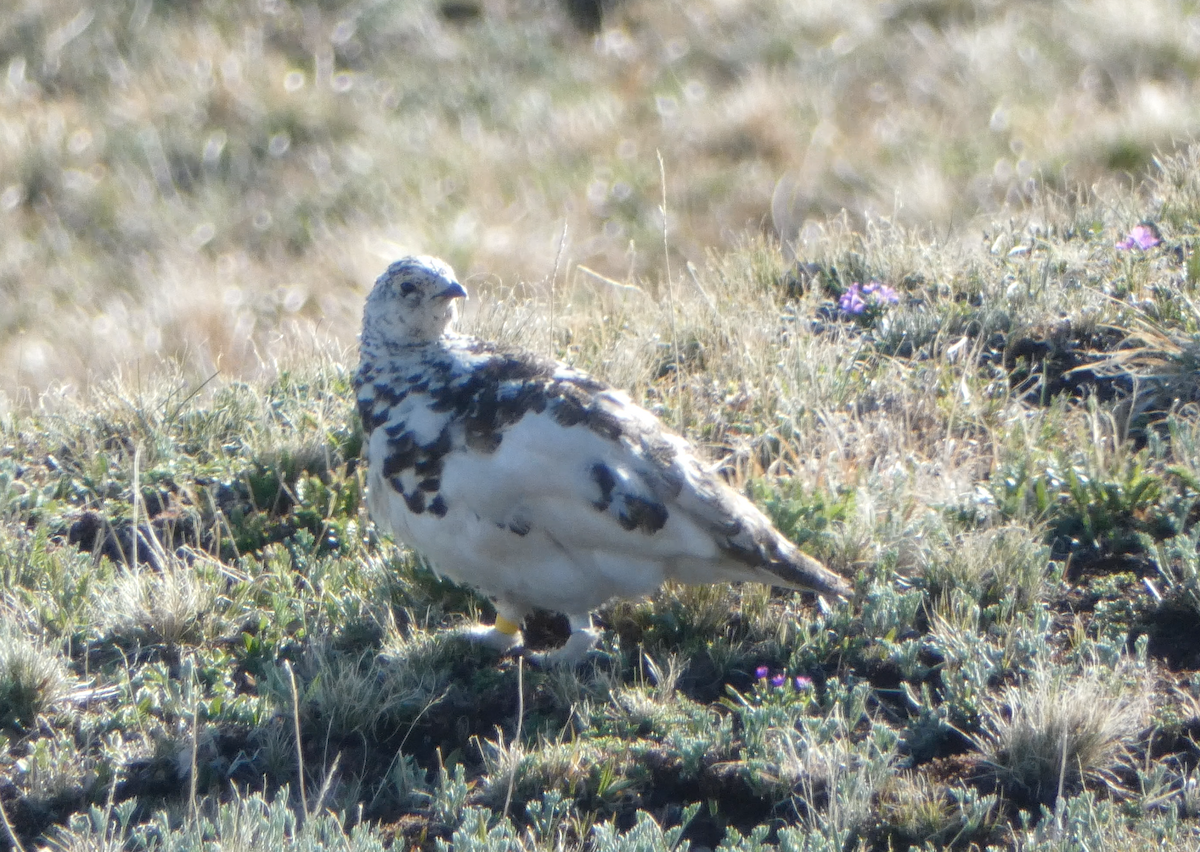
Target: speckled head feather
x,y
536,483
412,302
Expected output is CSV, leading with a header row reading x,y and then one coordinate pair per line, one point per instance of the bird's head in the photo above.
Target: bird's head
x,y
412,302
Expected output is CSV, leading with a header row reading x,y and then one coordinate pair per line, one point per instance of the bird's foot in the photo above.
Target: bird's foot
x,y
572,652
503,636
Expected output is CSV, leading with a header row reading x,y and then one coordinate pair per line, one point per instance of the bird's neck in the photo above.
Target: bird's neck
x,y
375,346
390,330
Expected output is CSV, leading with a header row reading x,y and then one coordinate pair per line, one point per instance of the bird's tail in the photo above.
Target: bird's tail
x,y
798,570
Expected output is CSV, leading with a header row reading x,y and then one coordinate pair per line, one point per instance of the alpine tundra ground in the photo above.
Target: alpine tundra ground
x,y
205,641
990,423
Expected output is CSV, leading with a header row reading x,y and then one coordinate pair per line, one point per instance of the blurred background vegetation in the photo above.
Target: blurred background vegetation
x,y
208,182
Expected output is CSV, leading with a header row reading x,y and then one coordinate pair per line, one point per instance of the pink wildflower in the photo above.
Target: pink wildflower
x,y
1140,237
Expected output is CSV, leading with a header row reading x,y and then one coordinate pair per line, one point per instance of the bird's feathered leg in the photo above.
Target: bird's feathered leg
x,y
583,638
505,634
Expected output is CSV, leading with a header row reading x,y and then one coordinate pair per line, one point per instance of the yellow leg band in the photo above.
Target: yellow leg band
x,y
506,627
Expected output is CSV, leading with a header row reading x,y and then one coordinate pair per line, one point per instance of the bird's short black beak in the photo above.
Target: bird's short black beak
x,y
453,290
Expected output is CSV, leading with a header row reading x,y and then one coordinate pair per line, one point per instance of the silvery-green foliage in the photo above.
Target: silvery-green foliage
x,y
820,837
755,841
244,823
1189,795
973,663
693,746
1091,821
406,782
450,797
1178,562
474,835
548,816
888,612
96,830
646,835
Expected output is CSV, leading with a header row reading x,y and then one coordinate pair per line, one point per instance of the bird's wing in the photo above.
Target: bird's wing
x,y
571,466
749,546
596,471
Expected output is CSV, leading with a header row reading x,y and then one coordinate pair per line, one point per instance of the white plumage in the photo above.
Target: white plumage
x,y
532,481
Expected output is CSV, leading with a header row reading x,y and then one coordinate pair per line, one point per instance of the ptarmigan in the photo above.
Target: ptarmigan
x,y
536,483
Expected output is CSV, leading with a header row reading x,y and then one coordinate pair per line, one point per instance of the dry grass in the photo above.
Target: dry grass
x,y
32,677
1044,739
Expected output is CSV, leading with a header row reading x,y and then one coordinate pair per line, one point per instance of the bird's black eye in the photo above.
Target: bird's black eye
x,y
407,288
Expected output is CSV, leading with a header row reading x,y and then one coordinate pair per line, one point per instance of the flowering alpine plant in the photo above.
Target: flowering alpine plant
x,y
1140,237
779,679
861,298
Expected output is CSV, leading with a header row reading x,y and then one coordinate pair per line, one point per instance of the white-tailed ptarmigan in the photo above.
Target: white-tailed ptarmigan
x,y
536,483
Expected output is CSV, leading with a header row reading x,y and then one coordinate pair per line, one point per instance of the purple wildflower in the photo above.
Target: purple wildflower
x,y
881,293
779,680
852,301
1140,237
859,297
761,672
803,684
